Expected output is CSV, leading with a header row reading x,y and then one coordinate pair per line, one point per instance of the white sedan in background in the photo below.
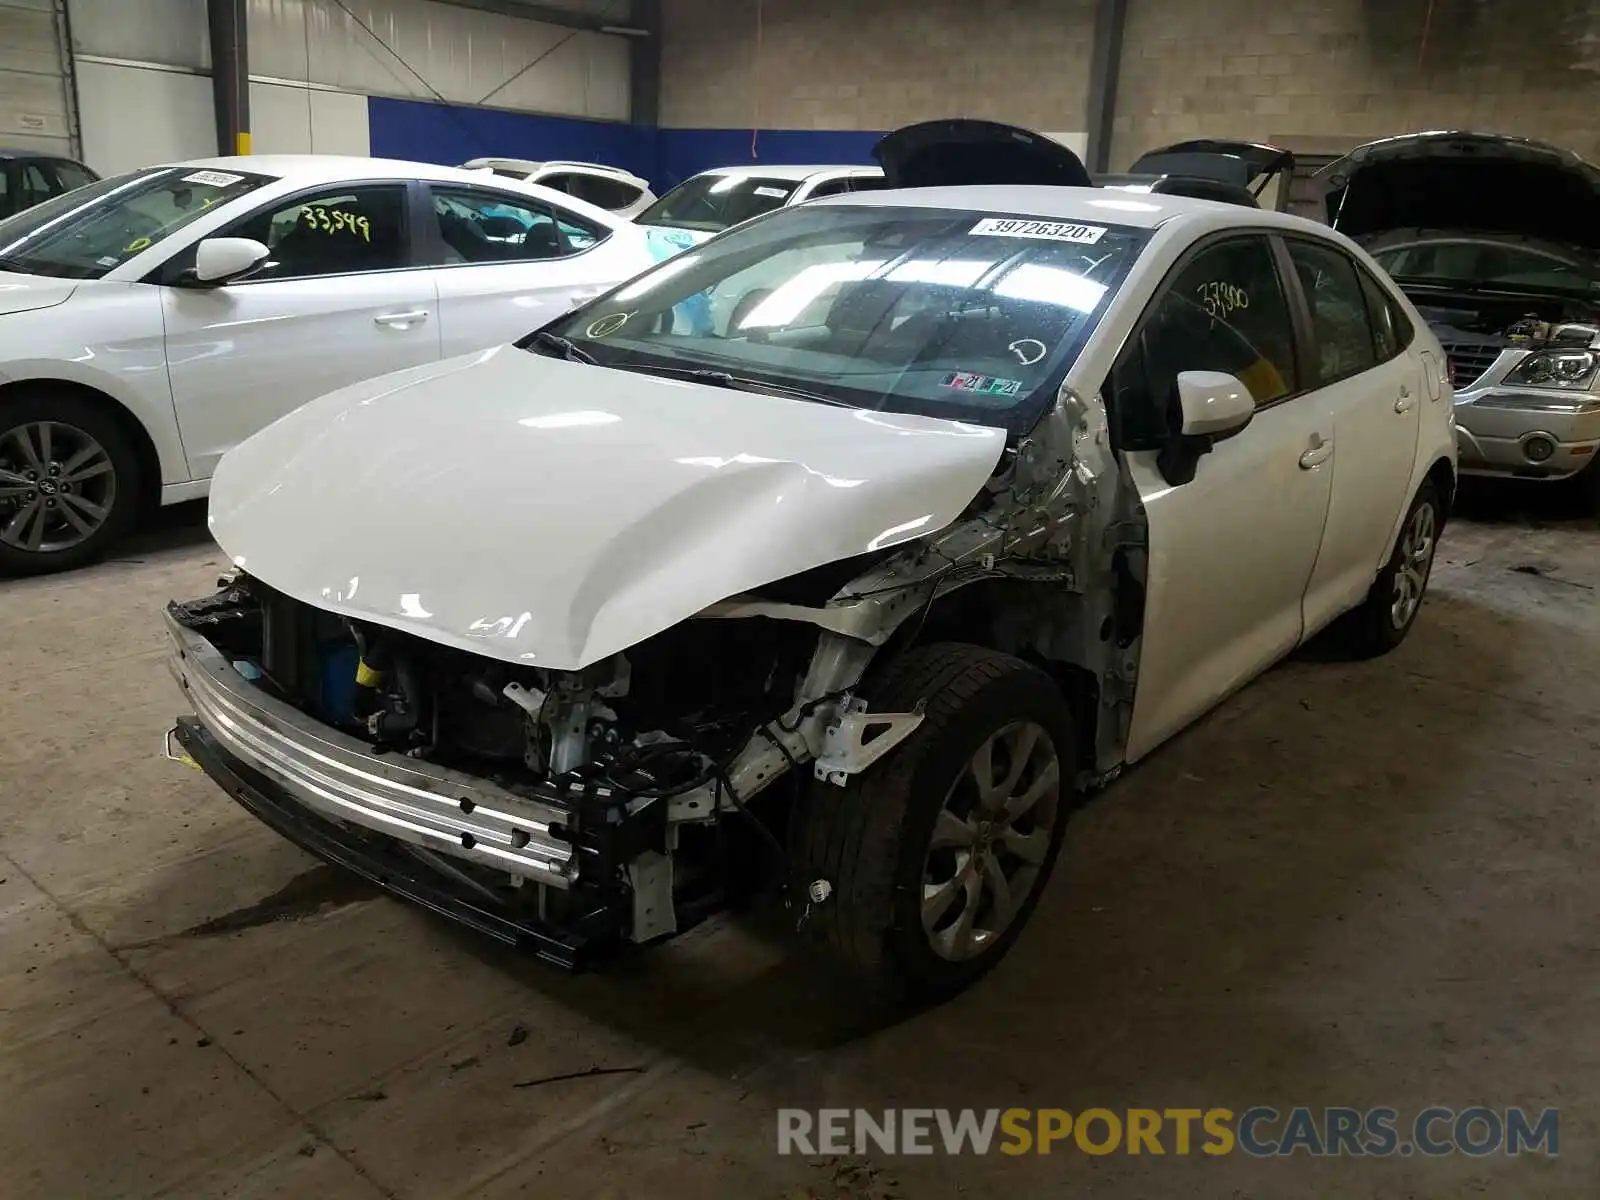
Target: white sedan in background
x,y
150,322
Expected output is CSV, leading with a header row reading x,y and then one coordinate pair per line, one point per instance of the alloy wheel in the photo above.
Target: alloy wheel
x,y
1417,541
990,841
57,486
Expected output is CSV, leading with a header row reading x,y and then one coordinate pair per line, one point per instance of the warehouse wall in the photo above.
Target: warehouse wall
x,y
1341,72
1327,74
35,92
728,66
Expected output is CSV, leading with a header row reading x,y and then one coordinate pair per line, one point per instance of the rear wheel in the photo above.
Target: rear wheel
x,y
931,863
1390,609
68,483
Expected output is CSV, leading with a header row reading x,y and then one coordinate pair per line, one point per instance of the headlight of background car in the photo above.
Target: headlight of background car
x,y
1570,370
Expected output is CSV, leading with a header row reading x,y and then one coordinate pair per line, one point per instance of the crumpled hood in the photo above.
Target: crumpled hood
x,y
548,513
1464,181
24,293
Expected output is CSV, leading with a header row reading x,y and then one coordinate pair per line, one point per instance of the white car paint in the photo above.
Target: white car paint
x,y
575,510
556,173
1257,553
544,512
200,369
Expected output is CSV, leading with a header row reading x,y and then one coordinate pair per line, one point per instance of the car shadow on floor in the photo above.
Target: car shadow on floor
x,y
1200,882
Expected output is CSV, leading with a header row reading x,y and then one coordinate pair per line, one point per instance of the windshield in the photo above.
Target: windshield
x,y
939,312
1486,265
712,203
84,233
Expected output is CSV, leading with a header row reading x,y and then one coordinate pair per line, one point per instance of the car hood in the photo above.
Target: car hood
x,y
1223,160
964,151
548,513
1473,181
24,293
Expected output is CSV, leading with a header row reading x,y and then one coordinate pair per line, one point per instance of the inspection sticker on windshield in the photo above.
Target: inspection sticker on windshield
x,y
1050,231
983,385
213,178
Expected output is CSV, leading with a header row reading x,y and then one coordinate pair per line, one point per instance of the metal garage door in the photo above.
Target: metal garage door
x,y
36,110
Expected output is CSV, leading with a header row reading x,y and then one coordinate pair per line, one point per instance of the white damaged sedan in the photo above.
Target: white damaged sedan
x,y
991,491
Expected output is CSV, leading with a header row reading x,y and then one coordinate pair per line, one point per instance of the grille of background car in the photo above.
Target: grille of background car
x,y
1469,360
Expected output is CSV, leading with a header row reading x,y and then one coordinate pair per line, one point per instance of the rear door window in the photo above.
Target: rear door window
x,y
72,175
495,227
1347,343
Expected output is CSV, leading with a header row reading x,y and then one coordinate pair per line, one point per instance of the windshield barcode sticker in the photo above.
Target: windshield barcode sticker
x,y
1050,231
775,193
213,178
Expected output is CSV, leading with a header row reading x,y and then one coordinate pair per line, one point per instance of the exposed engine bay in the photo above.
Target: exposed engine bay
x,y
624,800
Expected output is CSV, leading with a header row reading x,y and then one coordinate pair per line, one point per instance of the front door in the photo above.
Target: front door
x,y
337,303
1231,550
1372,392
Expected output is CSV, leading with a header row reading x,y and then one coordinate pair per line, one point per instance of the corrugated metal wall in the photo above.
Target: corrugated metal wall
x,y
415,49
36,102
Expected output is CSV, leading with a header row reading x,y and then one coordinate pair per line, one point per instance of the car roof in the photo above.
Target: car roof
x,y
1105,205
334,168
789,171
9,152
315,168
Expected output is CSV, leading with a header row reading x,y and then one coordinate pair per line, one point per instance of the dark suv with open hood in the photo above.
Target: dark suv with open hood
x,y
1497,241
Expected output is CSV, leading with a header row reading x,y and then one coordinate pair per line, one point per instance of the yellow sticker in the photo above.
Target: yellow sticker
x,y
336,220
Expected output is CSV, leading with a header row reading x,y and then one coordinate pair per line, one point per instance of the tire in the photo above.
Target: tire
x,y
84,481
1382,621
872,841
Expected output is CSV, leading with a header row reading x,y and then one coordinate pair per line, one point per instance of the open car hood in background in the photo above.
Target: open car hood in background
x,y
1464,181
958,152
1239,163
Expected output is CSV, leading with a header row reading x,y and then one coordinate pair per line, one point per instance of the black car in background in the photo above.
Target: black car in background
x,y
29,177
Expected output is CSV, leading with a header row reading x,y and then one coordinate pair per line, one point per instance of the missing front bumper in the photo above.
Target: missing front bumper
x,y
381,860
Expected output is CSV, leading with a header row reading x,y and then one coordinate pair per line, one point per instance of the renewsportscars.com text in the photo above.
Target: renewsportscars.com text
x,y
1261,1131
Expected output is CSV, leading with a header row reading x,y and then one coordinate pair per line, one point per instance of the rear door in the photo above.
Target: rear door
x,y
1372,390
1231,550
342,299
507,263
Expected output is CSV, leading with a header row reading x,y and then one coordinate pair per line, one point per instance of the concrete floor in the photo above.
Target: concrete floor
x,y
1361,885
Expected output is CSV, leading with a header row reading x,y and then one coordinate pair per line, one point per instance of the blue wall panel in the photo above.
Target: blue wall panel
x,y
424,131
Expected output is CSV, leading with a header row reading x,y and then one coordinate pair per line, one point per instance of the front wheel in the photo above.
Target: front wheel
x,y
930,864
1390,609
68,483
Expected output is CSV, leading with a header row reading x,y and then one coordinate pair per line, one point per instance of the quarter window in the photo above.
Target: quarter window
x,y
484,227
1223,311
338,232
1391,331
1346,342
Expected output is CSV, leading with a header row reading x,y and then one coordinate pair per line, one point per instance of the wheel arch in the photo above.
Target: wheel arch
x,y
1443,477
983,613
144,447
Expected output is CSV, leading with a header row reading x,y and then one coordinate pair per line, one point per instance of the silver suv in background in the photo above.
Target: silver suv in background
x,y
1497,242
611,188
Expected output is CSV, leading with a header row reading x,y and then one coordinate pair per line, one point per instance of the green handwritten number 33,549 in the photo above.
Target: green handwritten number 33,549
x,y
333,220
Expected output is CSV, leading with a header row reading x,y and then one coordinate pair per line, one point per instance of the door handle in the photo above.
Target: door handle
x,y
1404,403
1320,451
400,320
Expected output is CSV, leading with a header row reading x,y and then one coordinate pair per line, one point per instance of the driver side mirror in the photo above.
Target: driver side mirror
x,y
1211,406
221,260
